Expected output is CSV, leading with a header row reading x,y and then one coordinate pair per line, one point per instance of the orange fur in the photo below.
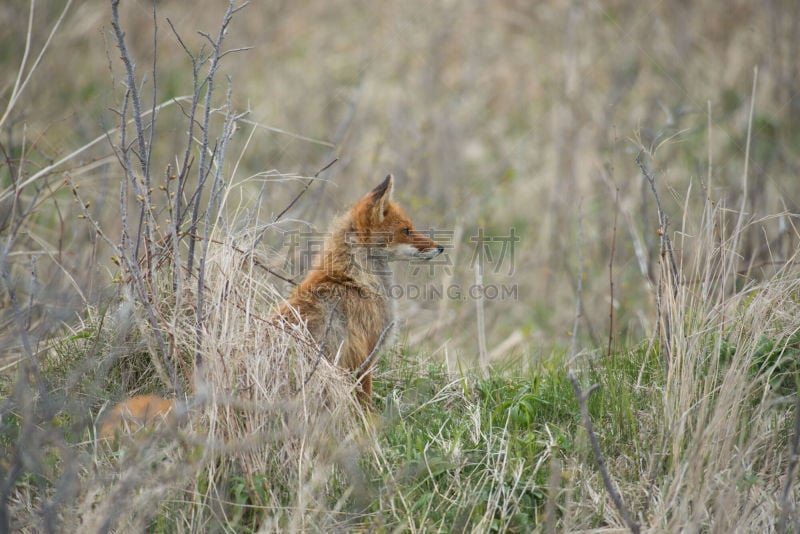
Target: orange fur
x,y
136,413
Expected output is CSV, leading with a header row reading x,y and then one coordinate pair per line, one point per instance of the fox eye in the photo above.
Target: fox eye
x,y
406,231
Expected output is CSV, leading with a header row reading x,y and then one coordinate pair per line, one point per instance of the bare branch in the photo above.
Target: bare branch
x,y
598,454
579,290
611,274
663,221
480,317
256,261
130,70
180,40
372,355
19,86
228,128
240,7
155,92
321,351
235,50
787,502
204,164
667,262
300,194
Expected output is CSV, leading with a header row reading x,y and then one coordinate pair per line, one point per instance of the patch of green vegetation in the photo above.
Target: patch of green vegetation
x,y
778,360
455,446
242,500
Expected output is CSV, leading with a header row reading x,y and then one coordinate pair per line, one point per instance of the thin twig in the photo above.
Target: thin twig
x,y
480,316
598,454
787,502
300,194
368,362
185,167
256,261
236,50
19,85
745,172
147,178
155,94
611,275
667,262
663,222
579,290
228,129
324,342
205,165
130,70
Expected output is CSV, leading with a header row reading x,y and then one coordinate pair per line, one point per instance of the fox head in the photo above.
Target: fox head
x,y
377,221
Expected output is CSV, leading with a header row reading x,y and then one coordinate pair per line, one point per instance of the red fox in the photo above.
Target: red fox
x,y
344,300
345,296
135,413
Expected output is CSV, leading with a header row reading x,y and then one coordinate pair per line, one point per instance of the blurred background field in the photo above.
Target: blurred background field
x,y
519,134
492,115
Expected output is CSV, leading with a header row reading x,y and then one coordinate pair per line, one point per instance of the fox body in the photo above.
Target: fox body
x,y
344,299
135,413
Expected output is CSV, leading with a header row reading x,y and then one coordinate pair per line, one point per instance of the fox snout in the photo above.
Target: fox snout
x,y
431,252
418,246
425,247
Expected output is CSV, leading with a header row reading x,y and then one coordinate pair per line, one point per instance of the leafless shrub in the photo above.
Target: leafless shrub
x,y
203,318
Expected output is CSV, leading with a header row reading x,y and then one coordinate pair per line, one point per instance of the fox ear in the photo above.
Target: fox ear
x,y
381,196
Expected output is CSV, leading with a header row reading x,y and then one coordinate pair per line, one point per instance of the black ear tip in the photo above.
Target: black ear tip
x,y
384,185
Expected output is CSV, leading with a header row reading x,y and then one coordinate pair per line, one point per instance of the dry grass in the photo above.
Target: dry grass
x,y
492,116
264,407
714,448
